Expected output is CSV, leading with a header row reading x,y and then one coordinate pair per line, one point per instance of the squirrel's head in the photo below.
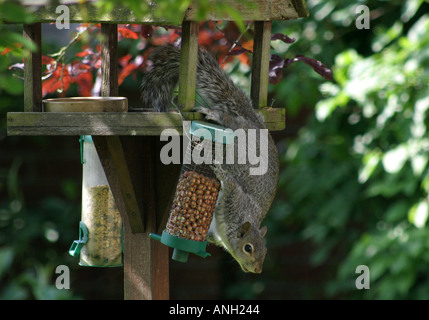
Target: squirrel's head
x,y
250,247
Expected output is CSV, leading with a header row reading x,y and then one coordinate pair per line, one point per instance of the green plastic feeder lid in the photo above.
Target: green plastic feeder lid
x,y
218,133
182,247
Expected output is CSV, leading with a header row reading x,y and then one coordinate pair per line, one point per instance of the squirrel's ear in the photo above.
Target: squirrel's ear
x,y
244,229
263,231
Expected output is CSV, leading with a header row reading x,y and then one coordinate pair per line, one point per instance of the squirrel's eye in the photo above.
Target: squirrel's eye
x,y
248,248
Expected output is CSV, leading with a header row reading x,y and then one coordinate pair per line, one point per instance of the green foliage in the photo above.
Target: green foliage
x,y
356,179
12,39
173,11
33,241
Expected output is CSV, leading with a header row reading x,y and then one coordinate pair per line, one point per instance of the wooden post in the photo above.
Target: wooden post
x,y
188,65
33,70
129,163
146,262
260,64
109,60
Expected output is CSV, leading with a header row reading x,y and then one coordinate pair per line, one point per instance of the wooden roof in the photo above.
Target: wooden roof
x,y
259,10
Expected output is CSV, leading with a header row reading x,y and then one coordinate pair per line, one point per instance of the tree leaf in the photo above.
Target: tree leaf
x,y
275,73
282,37
317,66
127,33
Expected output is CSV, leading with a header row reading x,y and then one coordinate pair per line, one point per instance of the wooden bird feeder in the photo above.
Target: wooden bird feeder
x,y
128,143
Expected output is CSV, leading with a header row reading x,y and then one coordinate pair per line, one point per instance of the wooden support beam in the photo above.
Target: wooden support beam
x,y
146,262
167,176
33,70
146,267
130,164
188,65
260,64
109,60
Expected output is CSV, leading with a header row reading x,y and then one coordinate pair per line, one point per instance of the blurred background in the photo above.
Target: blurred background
x,y
353,187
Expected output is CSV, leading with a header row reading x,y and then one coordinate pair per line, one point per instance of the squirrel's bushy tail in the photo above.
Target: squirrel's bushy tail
x,y
159,82
213,85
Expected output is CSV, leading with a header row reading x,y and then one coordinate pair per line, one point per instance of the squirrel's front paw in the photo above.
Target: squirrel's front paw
x,y
219,171
209,114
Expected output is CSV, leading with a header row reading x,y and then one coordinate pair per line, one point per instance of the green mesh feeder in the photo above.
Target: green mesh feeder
x,y
196,193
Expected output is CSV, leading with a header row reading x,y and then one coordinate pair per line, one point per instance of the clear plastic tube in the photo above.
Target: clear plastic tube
x,y
99,213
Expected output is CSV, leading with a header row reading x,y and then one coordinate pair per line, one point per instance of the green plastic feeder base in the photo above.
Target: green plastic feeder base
x,y
182,247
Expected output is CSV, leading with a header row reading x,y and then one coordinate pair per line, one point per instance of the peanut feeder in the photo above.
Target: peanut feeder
x,y
196,192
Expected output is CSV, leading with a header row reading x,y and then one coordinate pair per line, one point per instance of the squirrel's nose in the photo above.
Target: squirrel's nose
x,y
258,269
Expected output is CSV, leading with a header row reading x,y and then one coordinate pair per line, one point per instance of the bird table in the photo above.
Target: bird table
x,y
128,143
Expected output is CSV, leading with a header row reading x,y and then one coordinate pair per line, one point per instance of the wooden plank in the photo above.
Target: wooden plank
x,y
146,267
146,262
260,10
188,65
109,60
88,12
76,123
33,70
168,175
260,63
110,124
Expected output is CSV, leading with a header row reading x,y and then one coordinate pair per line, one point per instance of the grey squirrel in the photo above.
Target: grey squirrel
x,y
244,199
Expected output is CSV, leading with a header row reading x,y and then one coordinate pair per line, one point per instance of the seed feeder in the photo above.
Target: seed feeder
x,y
196,192
100,230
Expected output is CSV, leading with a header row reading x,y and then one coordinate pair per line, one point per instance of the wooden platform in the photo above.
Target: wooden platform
x,y
113,124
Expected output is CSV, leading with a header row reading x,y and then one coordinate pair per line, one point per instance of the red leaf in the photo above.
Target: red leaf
x,y
129,68
127,33
207,37
125,72
59,80
47,60
237,51
123,61
84,53
84,66
85,83
9,49
6,51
